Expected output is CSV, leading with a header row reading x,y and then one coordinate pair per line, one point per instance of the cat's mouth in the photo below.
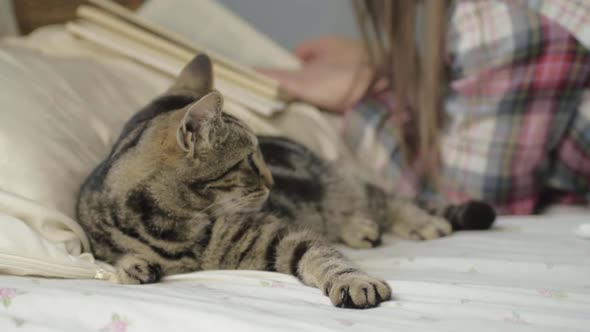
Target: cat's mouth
x,y
258,199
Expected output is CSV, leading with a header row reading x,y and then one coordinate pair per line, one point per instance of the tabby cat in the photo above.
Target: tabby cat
x,y
186,188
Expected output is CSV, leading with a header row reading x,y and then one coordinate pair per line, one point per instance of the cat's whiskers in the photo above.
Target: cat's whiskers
x,y
217,203
231,208
234,207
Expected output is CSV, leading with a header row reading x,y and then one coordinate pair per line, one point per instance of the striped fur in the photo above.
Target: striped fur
x,y
329,200
186,188
182,190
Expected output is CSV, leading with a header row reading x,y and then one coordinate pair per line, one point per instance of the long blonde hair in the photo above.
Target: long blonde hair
x,y
417,78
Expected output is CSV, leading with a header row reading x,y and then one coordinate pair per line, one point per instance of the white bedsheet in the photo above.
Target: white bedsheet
x,y
527,274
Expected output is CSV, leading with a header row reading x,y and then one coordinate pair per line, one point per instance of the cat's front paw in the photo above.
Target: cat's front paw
x,y
132,269
424,227
361,233
357,291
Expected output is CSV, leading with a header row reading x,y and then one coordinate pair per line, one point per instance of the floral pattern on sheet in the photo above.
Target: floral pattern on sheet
x,y
18,322
345,322
272,284
117,324
555,294
515,318
7,295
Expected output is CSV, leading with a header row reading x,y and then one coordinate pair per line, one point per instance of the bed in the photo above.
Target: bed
x,y
526,274
64,101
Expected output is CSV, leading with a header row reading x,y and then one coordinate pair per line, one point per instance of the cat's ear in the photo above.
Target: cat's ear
x,y
200,118
197,76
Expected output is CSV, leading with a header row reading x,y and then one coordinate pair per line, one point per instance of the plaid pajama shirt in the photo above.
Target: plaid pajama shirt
x,y
519,105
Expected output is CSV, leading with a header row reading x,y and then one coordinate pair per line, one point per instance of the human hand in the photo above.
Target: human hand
x,y
334,74
331,49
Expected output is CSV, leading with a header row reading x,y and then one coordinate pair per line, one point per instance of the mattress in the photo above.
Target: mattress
x,y
526,274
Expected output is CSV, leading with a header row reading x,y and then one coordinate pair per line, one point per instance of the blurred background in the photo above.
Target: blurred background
x,y
288,22
291,21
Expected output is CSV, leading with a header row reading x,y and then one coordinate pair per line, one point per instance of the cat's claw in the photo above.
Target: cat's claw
x,y
357,291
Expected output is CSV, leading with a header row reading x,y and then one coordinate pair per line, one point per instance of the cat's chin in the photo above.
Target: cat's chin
x,y
256,206
247,209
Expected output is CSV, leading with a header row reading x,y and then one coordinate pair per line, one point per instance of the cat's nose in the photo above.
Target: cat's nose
x,y
269,182
259,166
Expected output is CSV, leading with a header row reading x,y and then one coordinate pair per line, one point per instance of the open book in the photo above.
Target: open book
x,y
120,30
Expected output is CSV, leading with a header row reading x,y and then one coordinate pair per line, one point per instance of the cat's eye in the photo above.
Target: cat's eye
x,y
252,164
202,185
197,186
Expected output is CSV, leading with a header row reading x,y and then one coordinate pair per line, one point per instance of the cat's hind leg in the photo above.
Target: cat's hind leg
x,y
471,215
360,233
411,222
404,218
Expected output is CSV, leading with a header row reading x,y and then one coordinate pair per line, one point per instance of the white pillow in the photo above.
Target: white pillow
x,y
58,119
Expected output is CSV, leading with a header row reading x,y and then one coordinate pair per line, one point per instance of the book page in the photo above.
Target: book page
x,y
167,64
208,23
